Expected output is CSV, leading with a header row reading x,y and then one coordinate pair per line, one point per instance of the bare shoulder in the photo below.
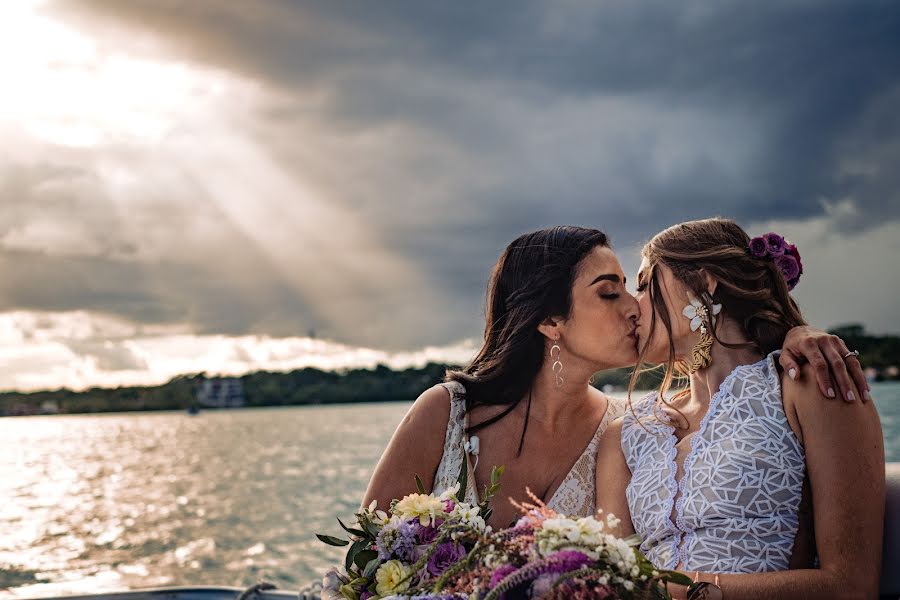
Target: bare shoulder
x,y
430,411
612,437
415,448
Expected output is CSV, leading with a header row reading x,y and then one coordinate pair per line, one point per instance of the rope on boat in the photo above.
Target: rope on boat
x,y
255,589
313,591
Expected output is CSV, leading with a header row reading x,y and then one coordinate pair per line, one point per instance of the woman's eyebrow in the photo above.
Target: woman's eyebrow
x,y
607,277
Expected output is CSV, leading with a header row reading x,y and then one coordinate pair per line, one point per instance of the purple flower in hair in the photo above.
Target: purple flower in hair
x,y
788,267
445,556
775,243
792,250
758,247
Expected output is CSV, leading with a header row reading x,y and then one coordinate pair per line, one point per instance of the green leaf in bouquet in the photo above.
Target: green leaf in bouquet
x,y
371,528
463,478
494,487
675,577
357,547
419,485
351,530
371,567
331,540
363,558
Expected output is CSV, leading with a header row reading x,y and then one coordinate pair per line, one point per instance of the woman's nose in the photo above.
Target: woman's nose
x,y
634,309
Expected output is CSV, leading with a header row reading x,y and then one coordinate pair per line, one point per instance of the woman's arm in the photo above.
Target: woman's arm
x,y
826,353
845,464
612,476
415,449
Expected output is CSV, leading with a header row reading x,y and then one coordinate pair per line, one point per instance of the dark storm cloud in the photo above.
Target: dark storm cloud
x,y
806,75
452,127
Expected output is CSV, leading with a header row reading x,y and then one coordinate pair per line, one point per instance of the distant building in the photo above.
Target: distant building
x,y
220,392
49,407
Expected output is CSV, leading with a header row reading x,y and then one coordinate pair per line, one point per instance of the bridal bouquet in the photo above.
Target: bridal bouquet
x,y
435,547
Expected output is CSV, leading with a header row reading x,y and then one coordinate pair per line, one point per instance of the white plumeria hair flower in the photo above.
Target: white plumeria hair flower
x,y
696,312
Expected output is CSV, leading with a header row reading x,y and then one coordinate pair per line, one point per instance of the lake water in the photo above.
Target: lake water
x,y
108,502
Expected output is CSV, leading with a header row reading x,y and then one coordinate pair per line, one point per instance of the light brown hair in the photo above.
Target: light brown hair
x,y
752,291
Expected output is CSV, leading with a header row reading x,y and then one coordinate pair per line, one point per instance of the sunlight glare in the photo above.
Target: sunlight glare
x,y
64,88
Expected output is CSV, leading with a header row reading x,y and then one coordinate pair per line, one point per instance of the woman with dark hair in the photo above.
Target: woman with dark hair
x,y
747,470
557,312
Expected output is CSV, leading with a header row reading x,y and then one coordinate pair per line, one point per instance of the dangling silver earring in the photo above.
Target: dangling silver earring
x,y
555,353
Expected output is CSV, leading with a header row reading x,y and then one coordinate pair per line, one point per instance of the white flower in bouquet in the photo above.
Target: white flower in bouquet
x,y
618,553
612,521
590,531
469,515
450,493
379,517
393,577
561,533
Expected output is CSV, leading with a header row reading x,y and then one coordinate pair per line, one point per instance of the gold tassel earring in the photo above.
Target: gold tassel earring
x,y
701,353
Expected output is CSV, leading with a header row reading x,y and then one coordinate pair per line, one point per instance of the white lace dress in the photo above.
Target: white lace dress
x,y
575,496
737,504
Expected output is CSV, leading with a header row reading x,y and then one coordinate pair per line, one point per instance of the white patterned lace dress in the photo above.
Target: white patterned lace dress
x,y
575,495
737,503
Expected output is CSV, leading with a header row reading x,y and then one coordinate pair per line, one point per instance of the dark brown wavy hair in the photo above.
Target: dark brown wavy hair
x,y
752,291
531,282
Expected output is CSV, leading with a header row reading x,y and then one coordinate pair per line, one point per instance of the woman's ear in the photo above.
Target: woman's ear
x,y
550,328
709,281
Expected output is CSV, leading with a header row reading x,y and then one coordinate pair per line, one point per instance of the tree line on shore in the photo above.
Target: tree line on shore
x,y
313,386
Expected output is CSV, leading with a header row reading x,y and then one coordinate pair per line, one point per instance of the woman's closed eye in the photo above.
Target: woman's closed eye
x,y
609,296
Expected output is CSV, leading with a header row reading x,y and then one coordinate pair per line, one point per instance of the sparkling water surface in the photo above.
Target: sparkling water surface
x,y
116,501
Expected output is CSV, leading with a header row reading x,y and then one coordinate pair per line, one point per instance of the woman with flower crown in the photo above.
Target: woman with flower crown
x,y
557,312
746,471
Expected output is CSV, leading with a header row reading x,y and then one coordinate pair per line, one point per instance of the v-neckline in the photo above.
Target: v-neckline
x,y
471,478
677,484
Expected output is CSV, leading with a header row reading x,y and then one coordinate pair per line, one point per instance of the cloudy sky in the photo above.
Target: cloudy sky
x,y
200,185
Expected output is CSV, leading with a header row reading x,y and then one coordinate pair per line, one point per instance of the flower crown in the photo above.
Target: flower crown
x,y
783,253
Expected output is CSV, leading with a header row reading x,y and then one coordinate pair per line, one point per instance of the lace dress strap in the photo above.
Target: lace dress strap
x,y
455,453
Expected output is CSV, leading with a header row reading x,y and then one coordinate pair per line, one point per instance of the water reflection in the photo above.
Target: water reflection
x,y
94,503
135,500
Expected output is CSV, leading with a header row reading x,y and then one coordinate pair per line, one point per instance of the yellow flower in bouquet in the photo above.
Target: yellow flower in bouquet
x,y
392,578
424,507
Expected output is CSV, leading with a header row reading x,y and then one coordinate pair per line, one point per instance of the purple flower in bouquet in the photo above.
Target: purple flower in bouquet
x,y
427,535
445,556
555,564
775,243
501,573
788,266
566,560
365,595
399,541
758,247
